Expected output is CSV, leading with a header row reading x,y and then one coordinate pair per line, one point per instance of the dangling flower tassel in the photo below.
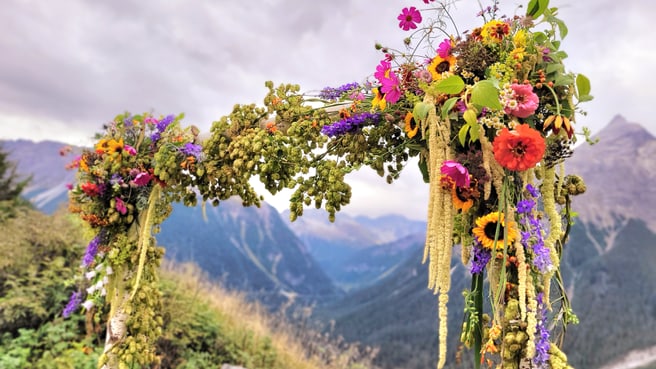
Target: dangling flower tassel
x,y
440,222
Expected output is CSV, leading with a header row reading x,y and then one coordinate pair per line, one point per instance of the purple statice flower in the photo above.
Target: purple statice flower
x,y
350,124
191,149
160,127
92,250
542,343
73,303
480,258
334,93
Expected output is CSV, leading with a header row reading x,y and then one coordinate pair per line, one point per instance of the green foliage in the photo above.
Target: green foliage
x,y
11,187
40,256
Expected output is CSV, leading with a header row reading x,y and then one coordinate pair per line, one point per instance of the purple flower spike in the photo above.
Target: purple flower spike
x,y
73,304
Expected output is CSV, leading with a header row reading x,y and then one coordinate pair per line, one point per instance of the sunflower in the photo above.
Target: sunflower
x,y
486,228
463,197
411,126
440,65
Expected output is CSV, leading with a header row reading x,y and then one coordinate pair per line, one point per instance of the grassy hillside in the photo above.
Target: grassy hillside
x,y
204,325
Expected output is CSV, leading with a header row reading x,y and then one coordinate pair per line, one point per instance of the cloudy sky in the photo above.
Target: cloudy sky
x,y
68,66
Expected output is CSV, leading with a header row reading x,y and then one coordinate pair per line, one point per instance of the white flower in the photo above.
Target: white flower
x,y
99,285
91,290
103,292
87,305
90,275
109,270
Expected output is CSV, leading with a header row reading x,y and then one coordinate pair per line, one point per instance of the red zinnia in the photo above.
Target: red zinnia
x,y
519,149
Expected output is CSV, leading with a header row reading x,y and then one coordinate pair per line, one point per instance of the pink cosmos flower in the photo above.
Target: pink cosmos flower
x,y
69,186
408,18
457,172
444,49
120,206
382,70
130,150
391,88
526,101
142,179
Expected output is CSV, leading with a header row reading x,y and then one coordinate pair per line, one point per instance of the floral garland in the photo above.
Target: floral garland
x,y
125,186
489,113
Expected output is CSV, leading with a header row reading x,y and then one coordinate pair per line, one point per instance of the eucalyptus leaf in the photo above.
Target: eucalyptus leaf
x,y
485,94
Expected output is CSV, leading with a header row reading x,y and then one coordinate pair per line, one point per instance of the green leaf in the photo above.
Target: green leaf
x,y
450,85
448,105
470,116
584,98
535,8
423,168
462,134
485,94
562,28
564,80
582,85
420,111
475,131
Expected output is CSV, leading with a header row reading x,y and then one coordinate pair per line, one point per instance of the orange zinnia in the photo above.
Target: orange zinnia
x,y
519,149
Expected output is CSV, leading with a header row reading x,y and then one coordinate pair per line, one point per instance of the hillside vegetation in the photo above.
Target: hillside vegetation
x,y
204,325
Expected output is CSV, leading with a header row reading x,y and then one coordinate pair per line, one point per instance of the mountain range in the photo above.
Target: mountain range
x,y
608,263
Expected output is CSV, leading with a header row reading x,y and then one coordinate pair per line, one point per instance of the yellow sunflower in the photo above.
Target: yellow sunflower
x,y
438,66
411,126
486,227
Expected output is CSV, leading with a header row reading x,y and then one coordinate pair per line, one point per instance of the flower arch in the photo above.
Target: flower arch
x,y
490,116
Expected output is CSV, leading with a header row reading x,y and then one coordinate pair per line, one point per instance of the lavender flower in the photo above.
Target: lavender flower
x,y
334,93
92,250
73,304
542,344
191,149
480,259
350,124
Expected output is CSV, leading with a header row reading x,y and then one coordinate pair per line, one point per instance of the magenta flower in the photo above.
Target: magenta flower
x,y
524,101
391,88
130,150
444,49
142,179
457,172
120,206
408,18
382,70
